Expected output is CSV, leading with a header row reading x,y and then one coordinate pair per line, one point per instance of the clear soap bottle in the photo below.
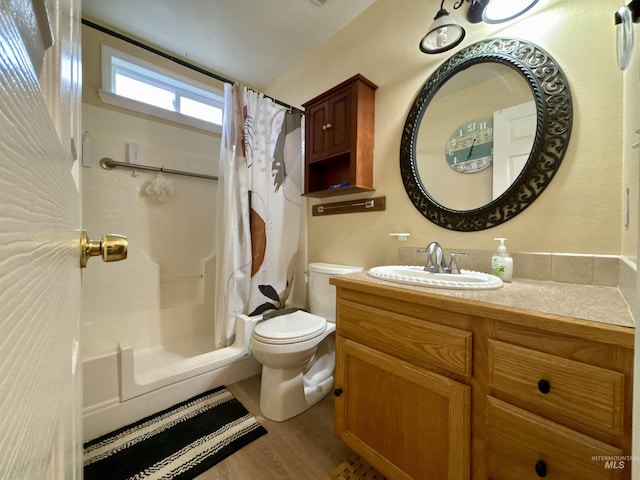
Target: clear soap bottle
x,y
501,262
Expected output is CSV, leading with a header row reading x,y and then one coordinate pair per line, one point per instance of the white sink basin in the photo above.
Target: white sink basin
x,y
415,275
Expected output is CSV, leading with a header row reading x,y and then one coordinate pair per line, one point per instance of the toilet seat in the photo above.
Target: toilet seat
x,y
292,327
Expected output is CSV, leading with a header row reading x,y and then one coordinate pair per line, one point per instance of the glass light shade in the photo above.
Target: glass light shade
x,y
498,11
624,36
474,12
443,34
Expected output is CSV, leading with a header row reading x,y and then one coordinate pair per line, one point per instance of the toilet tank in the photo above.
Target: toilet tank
x,y
322,296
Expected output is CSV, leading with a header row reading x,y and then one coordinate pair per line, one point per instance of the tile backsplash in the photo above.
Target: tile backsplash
x,y
597,270
601,270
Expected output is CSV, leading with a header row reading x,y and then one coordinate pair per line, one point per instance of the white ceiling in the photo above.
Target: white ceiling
x,y
250,41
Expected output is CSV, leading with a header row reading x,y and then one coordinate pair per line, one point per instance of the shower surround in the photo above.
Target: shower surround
x,y
149,320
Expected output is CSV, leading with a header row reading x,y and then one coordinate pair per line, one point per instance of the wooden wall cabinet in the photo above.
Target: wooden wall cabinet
x,y
430,388
339,126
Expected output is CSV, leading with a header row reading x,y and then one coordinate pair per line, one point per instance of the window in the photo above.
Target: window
x,y
132,83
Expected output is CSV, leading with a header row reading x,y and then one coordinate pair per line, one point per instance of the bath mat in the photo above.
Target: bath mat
x,y
355,468
178,443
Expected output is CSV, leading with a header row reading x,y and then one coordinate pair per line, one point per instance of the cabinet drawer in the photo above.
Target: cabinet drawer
x,y
523,446
577,394
419,342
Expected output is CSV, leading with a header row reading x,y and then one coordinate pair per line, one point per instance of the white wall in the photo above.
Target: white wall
x,y
160,294
163,292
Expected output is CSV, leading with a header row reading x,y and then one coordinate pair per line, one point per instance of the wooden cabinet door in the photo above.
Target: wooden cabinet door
x,y
317,119
329,126
339,129
406,421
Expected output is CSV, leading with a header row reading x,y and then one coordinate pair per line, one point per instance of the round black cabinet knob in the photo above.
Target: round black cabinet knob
x,y
337,392
544,386
541,469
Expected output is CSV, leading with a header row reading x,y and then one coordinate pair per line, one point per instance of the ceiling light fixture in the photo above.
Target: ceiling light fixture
x,y
474,14
498,11
444,33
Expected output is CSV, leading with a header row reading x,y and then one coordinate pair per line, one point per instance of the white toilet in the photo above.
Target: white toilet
x,y
297,350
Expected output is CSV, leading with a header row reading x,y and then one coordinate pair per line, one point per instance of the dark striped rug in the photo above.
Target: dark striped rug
x,y
178,443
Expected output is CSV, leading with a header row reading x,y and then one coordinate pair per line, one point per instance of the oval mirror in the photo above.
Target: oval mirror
x,y
486,134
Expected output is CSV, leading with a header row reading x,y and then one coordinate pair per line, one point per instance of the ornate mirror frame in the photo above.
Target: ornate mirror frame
x,y
552,98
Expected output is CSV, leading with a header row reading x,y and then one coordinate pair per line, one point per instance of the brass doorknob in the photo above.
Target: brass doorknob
x,y
111,248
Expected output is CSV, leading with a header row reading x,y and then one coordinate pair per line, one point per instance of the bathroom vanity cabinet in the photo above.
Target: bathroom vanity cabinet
x,y
339,127
436,387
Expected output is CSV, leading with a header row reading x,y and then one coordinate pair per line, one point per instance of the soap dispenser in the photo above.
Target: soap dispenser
x,y
502,263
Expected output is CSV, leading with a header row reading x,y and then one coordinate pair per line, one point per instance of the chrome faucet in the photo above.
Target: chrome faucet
x,y
438,264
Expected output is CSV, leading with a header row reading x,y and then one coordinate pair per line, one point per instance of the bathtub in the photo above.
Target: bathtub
x,y
125,386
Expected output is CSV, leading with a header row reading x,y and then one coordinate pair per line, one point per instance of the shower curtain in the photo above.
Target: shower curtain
x,y
259,207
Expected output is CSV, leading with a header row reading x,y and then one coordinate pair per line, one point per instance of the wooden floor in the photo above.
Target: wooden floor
x,y
302,448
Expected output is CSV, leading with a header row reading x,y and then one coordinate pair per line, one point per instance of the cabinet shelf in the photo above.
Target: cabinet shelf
x,y
339,139
326,160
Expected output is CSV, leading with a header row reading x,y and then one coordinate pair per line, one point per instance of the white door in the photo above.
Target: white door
x,y
39,251
514,130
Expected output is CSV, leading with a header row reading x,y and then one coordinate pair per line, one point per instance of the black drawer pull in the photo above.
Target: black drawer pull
x,y
544,386
337,392
541,469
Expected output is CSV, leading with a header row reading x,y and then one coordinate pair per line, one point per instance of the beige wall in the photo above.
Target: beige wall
x,y
629,235
579,212
631,174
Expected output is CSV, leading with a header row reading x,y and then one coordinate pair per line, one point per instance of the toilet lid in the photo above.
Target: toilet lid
x,y
292,327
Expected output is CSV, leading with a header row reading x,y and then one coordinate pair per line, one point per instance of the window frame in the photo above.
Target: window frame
x,y
114,60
